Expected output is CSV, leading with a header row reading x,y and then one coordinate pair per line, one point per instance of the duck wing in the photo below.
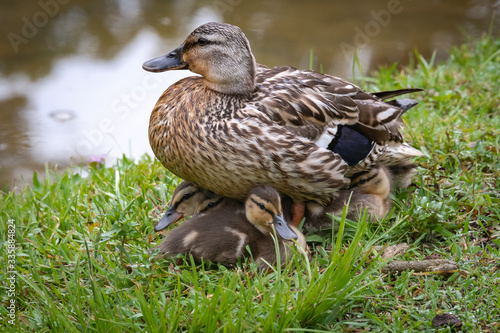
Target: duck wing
x,y
298,97
276,156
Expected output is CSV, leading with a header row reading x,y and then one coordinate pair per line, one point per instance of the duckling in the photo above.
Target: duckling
x,y
240,124
374,187
188,199
232,230
402,174
368,190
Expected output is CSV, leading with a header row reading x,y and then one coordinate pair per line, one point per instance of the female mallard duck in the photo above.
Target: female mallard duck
x,y
240,124
232,230
368,190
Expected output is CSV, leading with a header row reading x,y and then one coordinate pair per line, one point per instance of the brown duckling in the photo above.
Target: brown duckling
x,y
232,230
402,174
188,199
368,190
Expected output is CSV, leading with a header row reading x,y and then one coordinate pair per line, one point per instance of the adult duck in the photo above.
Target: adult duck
x,y
240,124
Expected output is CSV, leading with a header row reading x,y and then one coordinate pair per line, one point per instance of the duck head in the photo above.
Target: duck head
x,y
187,200
376,181
219,52
263,210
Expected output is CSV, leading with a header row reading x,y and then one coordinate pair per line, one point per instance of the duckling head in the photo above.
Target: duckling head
x,y
263,210
376,181
219,52
188,199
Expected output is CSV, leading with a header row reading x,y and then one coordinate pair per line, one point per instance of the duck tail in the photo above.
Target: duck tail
x,y
383,95
403,104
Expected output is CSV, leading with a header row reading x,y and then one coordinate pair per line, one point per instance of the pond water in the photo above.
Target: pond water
x,y
72,89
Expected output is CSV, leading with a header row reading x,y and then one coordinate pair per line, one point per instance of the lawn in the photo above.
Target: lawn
x,y
75,249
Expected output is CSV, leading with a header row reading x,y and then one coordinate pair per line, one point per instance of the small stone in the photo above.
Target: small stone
x,y
395,250
446,319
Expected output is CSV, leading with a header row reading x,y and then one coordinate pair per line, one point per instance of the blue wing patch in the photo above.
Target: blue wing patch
x,y
351,145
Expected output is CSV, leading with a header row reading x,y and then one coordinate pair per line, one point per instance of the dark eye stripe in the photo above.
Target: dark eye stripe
x,y
366,180
258,205
185,197
210,207
203,41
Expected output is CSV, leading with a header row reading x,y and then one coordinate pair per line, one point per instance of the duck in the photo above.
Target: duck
x,y
232,231
239,124
369,190
402,174
187,199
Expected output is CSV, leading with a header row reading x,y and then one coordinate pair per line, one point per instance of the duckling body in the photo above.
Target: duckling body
x,y
230,231
368,190
241,124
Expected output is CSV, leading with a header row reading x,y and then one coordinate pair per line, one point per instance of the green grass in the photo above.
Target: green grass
x,y
82,242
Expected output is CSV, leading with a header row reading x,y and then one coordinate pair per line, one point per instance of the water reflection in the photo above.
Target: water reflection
x,y
72,88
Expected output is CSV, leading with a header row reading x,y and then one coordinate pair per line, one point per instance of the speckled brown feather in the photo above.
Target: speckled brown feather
x,y
205,138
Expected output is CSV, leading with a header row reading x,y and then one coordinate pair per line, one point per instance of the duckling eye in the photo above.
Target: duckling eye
x,y
202,41
362,181
261,206
186,196
211,204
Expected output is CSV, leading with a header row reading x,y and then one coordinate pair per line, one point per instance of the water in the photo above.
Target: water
x,y
72,89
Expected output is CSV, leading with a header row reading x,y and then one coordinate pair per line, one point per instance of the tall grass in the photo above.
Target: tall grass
x,y
84,265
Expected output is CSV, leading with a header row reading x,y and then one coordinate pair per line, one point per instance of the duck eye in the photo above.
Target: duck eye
x,y
211,204
261,206
186,196
202,41
362,181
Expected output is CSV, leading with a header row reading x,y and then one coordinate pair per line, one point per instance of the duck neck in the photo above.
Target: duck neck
x,y
265,231
233,80
232,72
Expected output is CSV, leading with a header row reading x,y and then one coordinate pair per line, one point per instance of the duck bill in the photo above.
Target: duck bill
x,y
171,61
171,216
283,229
